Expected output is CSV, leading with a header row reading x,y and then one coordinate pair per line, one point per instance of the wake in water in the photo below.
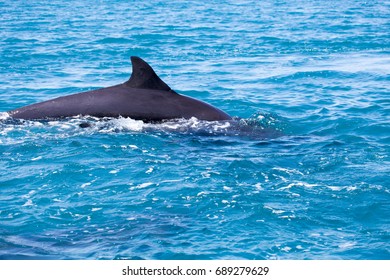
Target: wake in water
x,y
259,126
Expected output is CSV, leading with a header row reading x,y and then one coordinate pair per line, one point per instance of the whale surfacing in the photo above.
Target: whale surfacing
x,y
143,97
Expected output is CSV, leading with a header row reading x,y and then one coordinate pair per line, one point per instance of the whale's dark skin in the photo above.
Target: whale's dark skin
x,y
143,97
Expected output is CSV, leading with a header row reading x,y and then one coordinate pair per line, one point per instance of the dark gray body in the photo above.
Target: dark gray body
x,y
143,97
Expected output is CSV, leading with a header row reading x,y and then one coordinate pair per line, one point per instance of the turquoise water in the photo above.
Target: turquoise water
x,y
314,184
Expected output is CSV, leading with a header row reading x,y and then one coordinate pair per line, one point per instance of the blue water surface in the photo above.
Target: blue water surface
x,y
303,175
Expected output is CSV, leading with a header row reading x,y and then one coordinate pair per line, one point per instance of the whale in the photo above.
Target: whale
x,y
143,97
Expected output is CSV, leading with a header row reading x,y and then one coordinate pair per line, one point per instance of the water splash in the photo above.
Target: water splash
x,y
260,125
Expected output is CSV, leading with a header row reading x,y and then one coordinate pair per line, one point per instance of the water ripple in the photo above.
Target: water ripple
x,y
301,172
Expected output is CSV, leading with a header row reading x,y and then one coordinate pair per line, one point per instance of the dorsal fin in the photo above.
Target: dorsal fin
x,y
143,76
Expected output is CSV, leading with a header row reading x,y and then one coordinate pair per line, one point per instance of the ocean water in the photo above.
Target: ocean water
x,y
303,174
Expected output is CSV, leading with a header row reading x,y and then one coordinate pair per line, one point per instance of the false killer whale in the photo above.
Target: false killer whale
x,y
143,97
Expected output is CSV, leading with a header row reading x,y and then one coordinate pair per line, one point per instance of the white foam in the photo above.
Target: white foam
x,y
202,193
259,187
37,158
144,185
347,245
286,249
85,185
335,188
150,170
226,188
4,115
260,117
70,127
192,124
298,184
129,124
30,193
288,171
28,203
110,125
